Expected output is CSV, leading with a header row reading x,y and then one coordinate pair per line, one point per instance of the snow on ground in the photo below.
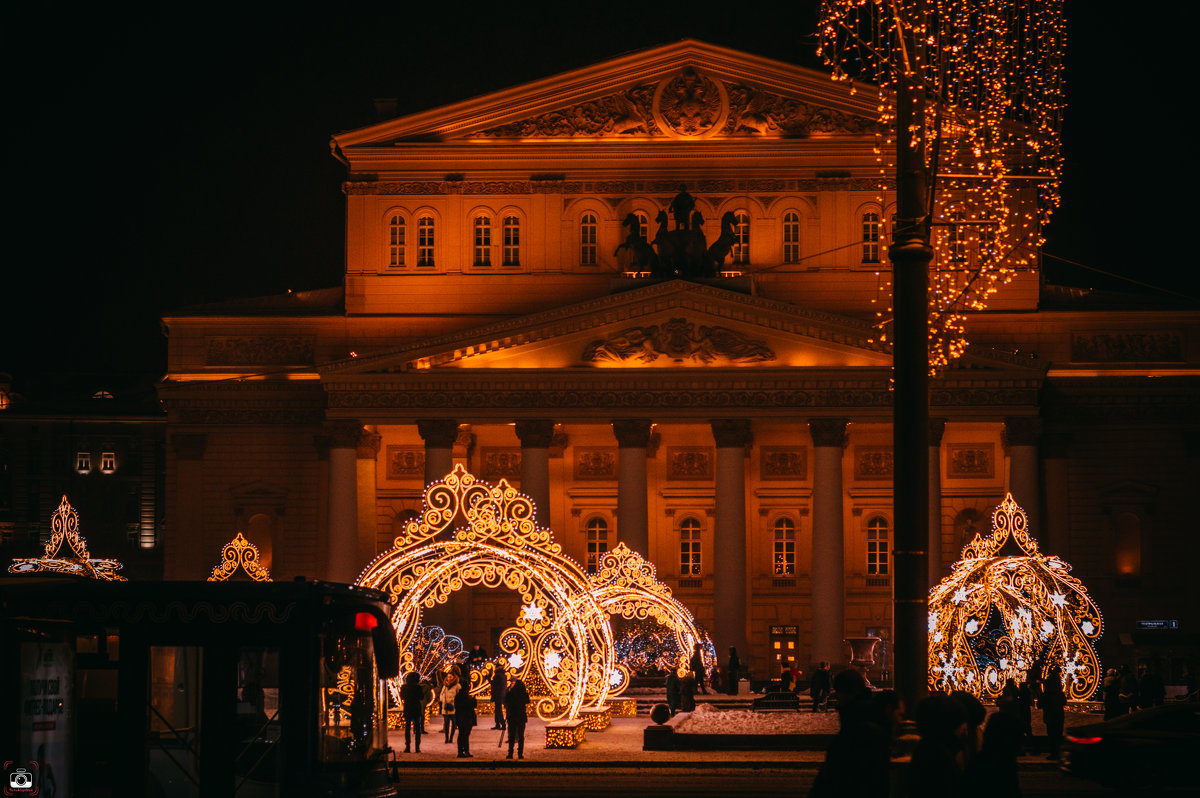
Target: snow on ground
x,y
707,720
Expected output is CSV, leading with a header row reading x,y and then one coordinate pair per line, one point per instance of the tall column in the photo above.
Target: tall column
x,y
341,561
1021,434
439,435
1056,537
184,549
535,435
367,453
633,527
937,426
730,616
828,545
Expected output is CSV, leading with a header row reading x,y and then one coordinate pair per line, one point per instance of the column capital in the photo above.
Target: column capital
x,y
828,431
438,433
732,433
343,434
189,445
632,433
1022,430
368,445
937,427
535,433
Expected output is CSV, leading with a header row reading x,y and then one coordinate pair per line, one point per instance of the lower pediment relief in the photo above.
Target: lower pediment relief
x,y
680,341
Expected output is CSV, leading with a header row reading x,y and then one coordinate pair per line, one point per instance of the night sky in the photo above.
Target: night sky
x,y
179,154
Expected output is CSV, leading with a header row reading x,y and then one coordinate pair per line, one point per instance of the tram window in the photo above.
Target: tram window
x,y
258,759
173,719
350,693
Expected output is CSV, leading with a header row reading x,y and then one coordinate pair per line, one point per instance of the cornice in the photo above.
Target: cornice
x,y
664,187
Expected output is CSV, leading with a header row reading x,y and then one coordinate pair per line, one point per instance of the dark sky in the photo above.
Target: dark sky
x,y
171,155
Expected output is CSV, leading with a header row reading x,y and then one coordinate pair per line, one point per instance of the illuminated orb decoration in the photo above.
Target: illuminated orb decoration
x,y
64,528
987,107
239,553
625,585
1007,609
472,533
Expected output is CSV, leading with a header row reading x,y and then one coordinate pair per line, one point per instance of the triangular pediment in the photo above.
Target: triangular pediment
x,y
676,324
687,90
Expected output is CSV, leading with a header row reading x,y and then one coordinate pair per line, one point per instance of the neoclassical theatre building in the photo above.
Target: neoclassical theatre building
x,y
646,292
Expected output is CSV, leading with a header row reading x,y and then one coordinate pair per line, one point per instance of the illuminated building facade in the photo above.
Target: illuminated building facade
x,y
529,292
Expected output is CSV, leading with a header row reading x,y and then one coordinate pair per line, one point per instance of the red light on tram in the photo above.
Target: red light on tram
x,y
1084,740
364,621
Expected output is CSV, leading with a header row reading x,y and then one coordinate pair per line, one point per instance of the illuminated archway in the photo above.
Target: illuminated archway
x,y
1007,609
472,533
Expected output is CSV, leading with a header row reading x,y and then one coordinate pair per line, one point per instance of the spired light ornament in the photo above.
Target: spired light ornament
x,y
1005,609
76,560
239,553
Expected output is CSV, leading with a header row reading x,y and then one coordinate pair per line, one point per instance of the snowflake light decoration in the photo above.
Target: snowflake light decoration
x,y
1006,608
74,559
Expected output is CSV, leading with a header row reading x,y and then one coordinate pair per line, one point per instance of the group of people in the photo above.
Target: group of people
x,y
458,707
1124,692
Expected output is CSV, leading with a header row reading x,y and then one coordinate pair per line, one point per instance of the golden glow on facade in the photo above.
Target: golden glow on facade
x,y
65,530
998,615
988,108
239,553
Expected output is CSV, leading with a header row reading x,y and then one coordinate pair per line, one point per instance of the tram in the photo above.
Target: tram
x,y
247,689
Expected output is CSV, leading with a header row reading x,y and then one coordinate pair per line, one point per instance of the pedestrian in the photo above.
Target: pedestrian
x,y
732,671
857,760
1127,693
450,689
976,714
1054,715
1009,700
499,689
477,655
935,770
516,701
414,709
697,665
687,692
465,719
818,687
1025,709
1112,694
427,700
673,693
993,773
1152,691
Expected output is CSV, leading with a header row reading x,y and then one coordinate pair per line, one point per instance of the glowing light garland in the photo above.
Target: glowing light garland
x,y
991,72
562,642
64,528
239,553
999,616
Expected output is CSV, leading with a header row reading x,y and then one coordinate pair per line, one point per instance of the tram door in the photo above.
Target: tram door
x,y
785,647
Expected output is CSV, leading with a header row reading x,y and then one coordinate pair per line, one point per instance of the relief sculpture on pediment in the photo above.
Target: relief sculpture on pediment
x,y
679,340
623,114
756,112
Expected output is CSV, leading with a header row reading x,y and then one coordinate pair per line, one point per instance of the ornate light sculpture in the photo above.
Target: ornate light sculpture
x,y
1006,610
239,553
988,107
64,528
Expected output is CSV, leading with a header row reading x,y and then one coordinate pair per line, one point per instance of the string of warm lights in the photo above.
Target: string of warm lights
x,y
239,553
1000,616
989,111
64,529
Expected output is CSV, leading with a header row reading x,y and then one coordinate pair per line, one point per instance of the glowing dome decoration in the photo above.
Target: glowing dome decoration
x,y
999,615
64,528
499,545
239,553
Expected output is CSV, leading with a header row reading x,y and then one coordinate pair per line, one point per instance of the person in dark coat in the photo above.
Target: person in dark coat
x,y
499,689
697,666
1152,690
818,687
857,761
934,771
414,709
673,691
516,703
1112,694
687,692
465,719
1054,711
785,680
1025,709
731,672
993,772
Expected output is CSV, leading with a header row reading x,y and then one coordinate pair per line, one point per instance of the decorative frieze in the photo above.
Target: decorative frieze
x,y
873,462
595,463
405,462
783,462
1148,346
497,463
689,462
260,350
970,461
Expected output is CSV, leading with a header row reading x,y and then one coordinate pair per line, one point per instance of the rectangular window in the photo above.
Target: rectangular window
x,y
396,241
791,237
425,247
870,237
512,241
108,462
740,253
483,241
877,546
83,462
597,545
785,548
587,240
689,552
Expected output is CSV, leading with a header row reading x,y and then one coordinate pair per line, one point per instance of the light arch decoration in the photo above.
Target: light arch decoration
x,y
475,534
239,553
75,559
1007,610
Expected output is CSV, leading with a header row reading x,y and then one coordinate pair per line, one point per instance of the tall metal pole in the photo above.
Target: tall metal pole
x,y
910,254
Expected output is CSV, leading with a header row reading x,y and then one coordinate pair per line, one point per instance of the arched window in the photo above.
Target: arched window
x,y
483,241
785,547
689,547
587,240
597,542
425,248
740,253
877,545
871,232
512,241
791,237
396,240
